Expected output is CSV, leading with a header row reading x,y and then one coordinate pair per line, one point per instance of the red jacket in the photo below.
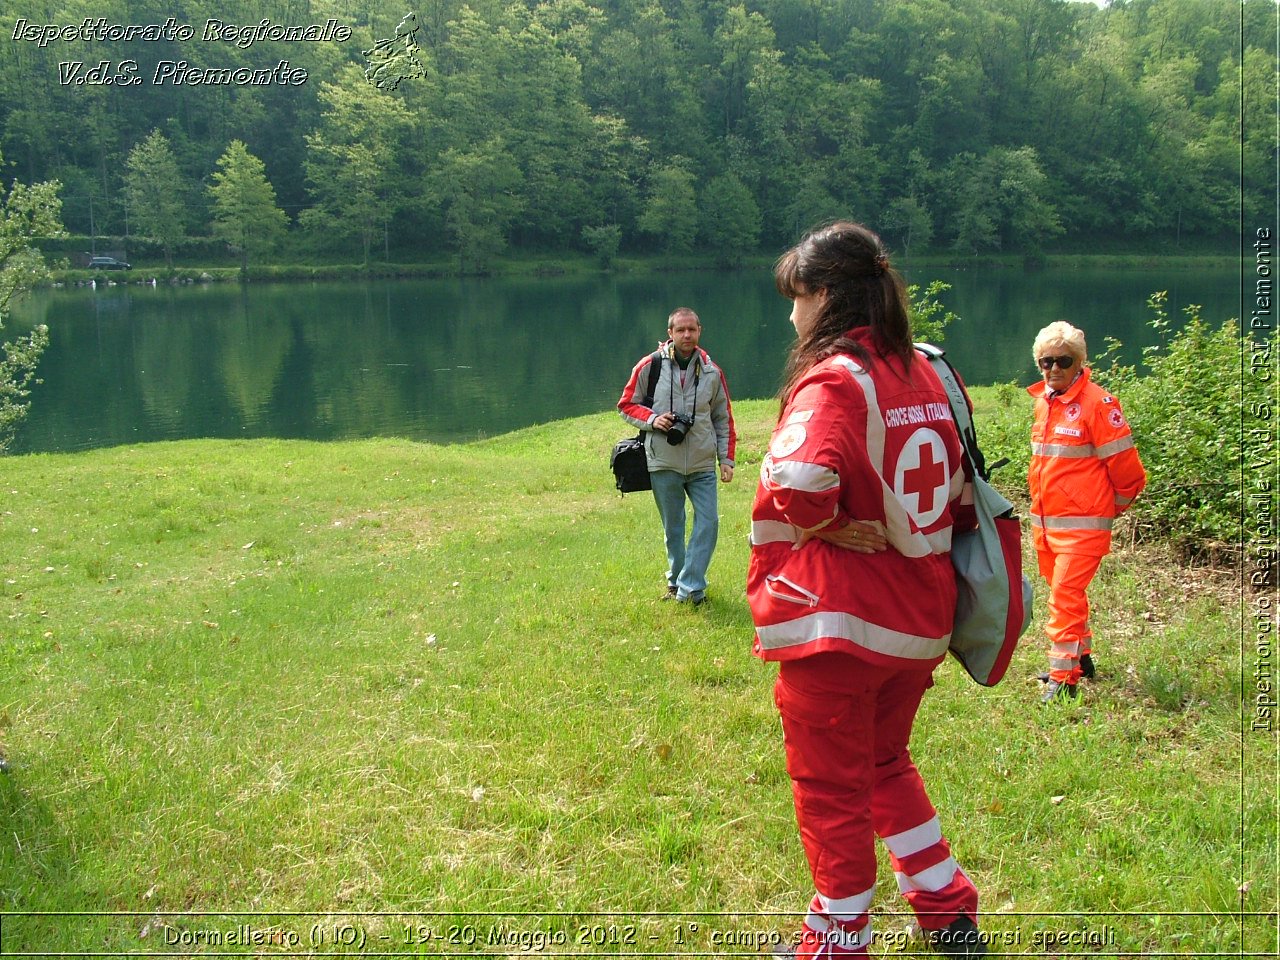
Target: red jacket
x,y
875,445
1084,470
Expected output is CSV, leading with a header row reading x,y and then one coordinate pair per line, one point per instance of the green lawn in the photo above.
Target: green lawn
x,y
380,682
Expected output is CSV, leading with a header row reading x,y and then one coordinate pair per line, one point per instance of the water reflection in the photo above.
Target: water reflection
x,y
452,360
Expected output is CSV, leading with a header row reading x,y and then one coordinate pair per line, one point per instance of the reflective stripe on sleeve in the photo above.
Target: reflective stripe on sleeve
x,y
773,531
845,626
1123,501
803,476
1067,451
779,531
1072,523
1115,446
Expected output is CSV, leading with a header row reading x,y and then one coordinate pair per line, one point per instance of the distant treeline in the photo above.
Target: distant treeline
x,y
647,125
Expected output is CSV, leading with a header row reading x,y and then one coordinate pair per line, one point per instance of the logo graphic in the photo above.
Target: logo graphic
x,y
1072,413
922,477
396,58
788,441
1116,418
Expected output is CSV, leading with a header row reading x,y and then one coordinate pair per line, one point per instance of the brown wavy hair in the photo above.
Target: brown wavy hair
x,y
849,262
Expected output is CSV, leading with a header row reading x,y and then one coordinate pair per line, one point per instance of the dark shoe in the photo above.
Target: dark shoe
x,y
671,592
1086,667
1053,690
698,601
960,939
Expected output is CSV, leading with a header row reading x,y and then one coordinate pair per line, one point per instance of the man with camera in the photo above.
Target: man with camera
x,y
690,429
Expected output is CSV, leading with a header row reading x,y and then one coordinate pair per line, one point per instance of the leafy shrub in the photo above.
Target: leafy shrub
x,y
18,360
1186,414
929,318
1003,425
27,212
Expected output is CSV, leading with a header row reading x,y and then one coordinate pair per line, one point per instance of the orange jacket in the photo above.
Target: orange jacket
x,y
1084,471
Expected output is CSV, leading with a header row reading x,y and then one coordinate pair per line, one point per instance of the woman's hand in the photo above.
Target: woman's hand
x,y
857,536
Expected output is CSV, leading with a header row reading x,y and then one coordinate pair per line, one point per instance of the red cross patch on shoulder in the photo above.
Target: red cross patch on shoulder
x,y
788,440
1116,418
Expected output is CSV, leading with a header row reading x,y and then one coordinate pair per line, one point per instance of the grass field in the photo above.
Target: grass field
x,y
393,698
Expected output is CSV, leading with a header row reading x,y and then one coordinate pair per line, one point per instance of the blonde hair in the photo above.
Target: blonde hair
x,y
1064,333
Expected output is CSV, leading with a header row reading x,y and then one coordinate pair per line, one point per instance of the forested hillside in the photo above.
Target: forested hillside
x,y
646,125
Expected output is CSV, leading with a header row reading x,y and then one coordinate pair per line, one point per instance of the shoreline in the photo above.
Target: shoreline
x,y
557,267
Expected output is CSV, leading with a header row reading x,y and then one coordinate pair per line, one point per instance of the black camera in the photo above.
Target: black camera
x,y
679,428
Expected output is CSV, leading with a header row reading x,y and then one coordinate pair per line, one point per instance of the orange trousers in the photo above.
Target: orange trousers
x,y
1068,576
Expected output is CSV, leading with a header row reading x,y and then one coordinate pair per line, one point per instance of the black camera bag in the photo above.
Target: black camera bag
x,y
630,465
629,462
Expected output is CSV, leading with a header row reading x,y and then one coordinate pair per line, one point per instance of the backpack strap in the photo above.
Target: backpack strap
x,y
655,369
959,406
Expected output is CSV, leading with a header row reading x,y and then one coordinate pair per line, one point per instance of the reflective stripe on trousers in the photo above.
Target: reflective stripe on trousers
x,y
1068,576
846,725
1072,523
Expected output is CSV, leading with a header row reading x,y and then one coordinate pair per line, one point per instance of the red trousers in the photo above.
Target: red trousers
x,y
846,725
1068,576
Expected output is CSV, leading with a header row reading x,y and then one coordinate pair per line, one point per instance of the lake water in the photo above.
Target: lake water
x,y
450,360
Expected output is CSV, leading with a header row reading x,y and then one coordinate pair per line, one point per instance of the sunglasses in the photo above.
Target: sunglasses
x,y
1063,363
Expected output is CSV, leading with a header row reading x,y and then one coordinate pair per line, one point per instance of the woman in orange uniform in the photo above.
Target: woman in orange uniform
x,y
852,590
1084,473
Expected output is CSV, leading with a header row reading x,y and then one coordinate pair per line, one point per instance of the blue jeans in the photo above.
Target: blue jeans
x,y
687,567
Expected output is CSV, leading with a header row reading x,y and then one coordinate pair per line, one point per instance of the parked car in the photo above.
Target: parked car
x,y
108,263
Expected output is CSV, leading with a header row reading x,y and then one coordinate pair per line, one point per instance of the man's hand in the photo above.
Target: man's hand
x,y
664,421
726,473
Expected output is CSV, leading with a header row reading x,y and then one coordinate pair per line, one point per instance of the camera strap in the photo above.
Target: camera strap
x,y
696,362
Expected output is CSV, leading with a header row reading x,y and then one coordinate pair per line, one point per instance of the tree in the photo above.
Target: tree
x,y
910,218
1133,109
741,39
154,193
245,214
810,204
730,219
604,242
1001,201
27,212
353,159
477,190
1029,217
671,211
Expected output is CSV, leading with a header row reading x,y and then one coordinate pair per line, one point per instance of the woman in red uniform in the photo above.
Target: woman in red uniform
x,y
1084,473
852,589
